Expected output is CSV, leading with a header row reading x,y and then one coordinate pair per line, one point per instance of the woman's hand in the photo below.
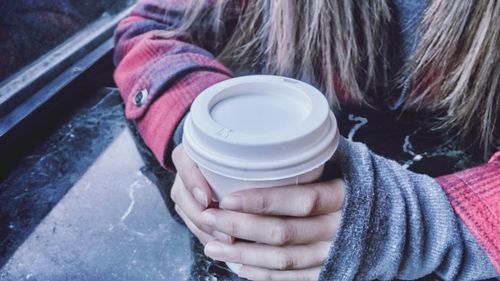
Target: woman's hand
x,y
293,227
192,195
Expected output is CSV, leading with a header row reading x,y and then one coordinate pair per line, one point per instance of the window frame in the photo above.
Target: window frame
x,y
27,93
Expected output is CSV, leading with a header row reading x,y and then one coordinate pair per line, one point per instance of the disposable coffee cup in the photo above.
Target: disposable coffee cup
x,y
260,131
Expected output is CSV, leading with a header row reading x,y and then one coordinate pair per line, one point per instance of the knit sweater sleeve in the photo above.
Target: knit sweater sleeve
x,y
398,224
160,72
475,196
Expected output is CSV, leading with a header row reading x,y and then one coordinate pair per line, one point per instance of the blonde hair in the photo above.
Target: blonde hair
x,y
341,46
456,68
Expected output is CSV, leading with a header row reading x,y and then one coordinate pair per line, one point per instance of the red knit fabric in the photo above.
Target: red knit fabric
x,y
475,197
158,124
172,71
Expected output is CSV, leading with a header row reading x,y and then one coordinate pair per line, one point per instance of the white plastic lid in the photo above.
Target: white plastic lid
x,y
260,127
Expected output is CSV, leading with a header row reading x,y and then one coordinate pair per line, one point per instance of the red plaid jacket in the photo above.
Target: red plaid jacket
x,y
159,78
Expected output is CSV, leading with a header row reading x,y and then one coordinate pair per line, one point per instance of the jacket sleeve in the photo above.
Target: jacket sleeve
x,y
475,196
159,73
399,224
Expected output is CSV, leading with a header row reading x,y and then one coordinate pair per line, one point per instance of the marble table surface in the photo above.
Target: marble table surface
x,y
90,203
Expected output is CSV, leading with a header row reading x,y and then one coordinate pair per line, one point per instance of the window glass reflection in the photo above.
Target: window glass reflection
x,y
31,28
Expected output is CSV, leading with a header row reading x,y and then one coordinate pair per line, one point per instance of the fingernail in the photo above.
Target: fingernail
x,y
207,218
235,267
232,202
243,273
222,237
200,196
214,250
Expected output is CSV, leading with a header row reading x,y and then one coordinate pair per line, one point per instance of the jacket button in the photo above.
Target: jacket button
x,y
140,97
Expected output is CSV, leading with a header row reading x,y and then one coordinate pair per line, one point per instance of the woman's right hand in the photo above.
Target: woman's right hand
x,y
192,195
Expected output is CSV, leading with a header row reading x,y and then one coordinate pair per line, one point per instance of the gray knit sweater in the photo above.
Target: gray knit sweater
x,y
398,224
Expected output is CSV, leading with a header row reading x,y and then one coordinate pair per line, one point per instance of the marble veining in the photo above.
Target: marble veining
x,y
91,203
408,139
131,190
360,122
445,150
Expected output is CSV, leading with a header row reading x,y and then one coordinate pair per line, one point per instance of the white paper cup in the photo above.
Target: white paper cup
x,y
260,131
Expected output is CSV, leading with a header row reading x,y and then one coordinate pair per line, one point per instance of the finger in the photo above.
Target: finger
x,y
191,208
191,175
256,273
272,230
200,234
270,257
301,200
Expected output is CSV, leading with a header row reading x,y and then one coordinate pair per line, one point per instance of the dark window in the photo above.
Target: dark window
x,y
46,45
31,28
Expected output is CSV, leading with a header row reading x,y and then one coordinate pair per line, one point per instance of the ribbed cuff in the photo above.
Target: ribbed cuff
x,y
158,124
475,196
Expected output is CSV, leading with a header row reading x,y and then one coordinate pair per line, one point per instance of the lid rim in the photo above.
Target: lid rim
x,y
217,158
257,175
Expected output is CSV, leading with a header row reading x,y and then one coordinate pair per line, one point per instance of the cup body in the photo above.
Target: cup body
x,y
223,186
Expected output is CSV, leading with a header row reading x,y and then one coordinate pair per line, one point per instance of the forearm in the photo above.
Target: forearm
x,y
398,224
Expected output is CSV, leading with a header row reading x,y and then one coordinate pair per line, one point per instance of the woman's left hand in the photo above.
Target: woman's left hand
x,y
292,225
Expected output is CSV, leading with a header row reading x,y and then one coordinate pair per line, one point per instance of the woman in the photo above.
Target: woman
x,y
378,220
